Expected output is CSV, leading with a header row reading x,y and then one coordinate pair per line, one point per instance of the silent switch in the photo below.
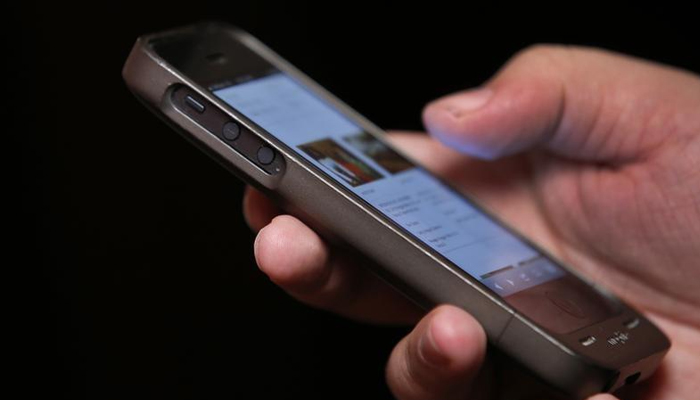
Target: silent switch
x,y
194,104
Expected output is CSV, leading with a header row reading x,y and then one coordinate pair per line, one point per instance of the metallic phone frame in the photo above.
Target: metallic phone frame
x,y
559,359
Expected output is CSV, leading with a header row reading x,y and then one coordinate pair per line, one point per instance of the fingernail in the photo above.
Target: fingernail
x,y
465,102
429,350
257,241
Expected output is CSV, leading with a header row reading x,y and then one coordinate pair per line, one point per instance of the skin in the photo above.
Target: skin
x,y
594,155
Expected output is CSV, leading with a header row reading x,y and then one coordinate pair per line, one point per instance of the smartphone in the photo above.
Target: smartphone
x,y
278,130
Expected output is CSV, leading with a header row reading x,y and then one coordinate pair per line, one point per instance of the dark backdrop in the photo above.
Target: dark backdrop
x,y
142,281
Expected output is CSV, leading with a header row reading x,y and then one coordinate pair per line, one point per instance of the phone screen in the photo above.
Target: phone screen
x,y
405,193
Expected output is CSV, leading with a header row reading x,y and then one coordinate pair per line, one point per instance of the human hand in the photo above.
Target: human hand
x,y
595,156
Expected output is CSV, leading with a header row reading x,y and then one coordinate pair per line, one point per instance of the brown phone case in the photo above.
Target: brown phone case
x,y
597,358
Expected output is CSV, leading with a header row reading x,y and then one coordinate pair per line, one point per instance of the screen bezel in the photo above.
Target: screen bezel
x,y
205,76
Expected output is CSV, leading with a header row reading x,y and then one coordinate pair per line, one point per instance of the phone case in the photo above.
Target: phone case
x,y
401,260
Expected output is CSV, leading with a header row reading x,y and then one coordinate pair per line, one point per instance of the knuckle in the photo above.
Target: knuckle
x,y
542,50
544,55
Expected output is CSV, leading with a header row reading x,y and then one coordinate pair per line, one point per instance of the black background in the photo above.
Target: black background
x,y
142,281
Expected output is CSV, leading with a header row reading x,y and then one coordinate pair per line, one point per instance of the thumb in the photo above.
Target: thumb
x,y
582,103
440,358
